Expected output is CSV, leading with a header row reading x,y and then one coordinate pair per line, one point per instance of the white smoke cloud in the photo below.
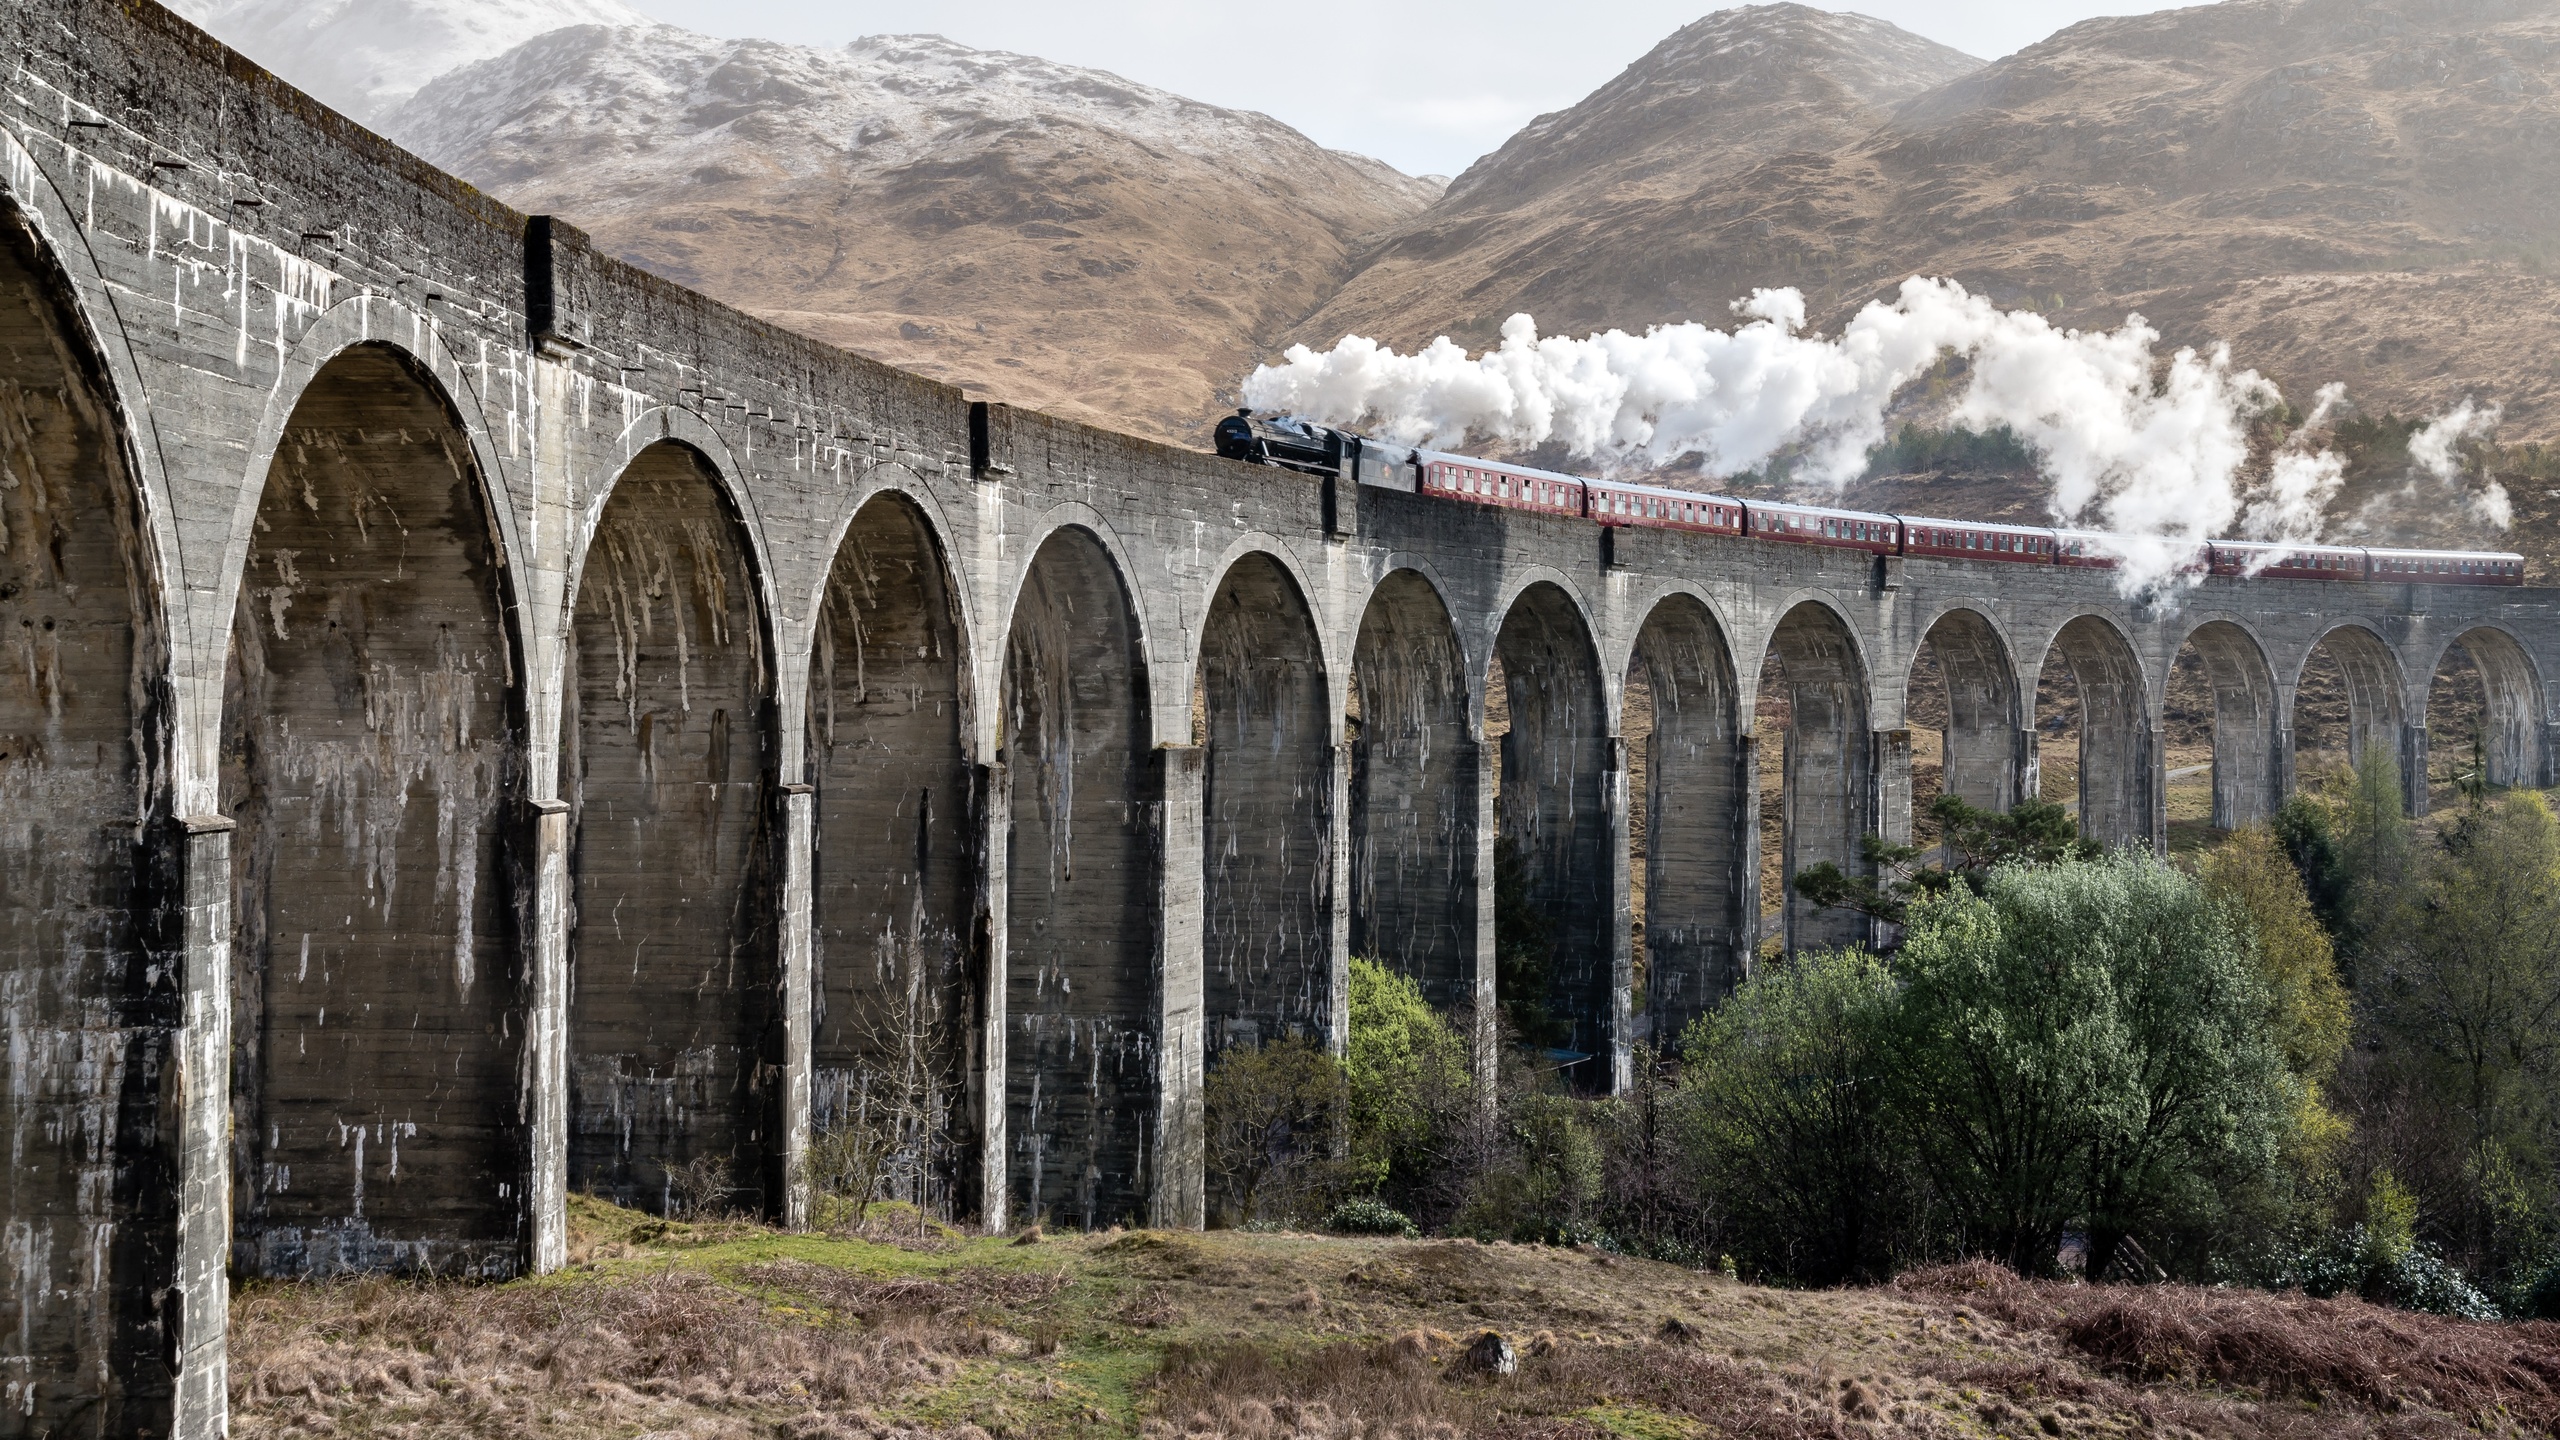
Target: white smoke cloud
x,y
2154,454
2436,450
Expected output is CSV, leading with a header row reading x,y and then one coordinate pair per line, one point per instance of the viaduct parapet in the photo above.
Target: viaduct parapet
x,y
480,722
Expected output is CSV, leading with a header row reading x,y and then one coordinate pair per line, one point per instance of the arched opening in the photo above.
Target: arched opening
x,y
1413,794
1820,714
1964,716
896,987
1082,992
1556,972
2093,725
2483,721
666,765
1266,812
89,1195
371,757
2347,701
2220,736
1690,892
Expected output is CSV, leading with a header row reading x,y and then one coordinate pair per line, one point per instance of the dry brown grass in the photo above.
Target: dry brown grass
x,y
1229,1336
666,1349
2410,1373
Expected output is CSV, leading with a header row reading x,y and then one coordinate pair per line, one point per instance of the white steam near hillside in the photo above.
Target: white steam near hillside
x,y
2157,455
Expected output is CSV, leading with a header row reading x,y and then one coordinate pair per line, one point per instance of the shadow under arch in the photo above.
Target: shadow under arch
x,y
668,769
1267,812
2117,797
373,752
1415,768
85,789
1084,1025
1689,807
1983,737
2509,725
896,982
1560,953
1828,801
2369,684
2248,778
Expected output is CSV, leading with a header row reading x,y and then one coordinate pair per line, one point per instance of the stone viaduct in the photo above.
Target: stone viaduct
x,y
479,722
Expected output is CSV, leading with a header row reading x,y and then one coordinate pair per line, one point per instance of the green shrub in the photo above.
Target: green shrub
x,y
1368,1215
1275,1114
1411,1087
2085,1042
1784,1120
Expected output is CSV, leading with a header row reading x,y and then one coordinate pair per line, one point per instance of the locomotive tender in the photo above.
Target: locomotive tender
x,y
1323,450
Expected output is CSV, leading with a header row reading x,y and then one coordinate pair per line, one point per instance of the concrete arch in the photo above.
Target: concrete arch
x,y
2511,727
1986,729
657,429
1416,779
1084,1023
1694,808
347,326
2118,790
1169,722
892,479
1267,811
1829,804
1517,583
1285,557
2376,691
90,1200
2248,724
896,980
668,763
1563,956
373,763
59,258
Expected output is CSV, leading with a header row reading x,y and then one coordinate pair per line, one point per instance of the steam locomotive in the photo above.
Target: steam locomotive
x,y
1323,450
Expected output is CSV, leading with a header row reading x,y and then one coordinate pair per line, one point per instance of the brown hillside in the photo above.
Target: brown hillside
x,y
1055,237
2348,191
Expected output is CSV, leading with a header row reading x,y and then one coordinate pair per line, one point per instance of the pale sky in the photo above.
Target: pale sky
x,y
1425,85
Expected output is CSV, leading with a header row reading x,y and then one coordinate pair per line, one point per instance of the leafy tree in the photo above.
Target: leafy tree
x,y
1785,1105
2376,845
1540,1178
1974,843
1408,1075
1274,1114
2302,826
2088,1041
2466,997
2252,874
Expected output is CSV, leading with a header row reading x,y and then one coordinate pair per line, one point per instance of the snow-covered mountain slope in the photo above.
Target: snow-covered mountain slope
x,y
1054,236
364,57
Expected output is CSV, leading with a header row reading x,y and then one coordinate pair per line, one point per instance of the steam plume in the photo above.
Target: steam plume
x,y
2154,454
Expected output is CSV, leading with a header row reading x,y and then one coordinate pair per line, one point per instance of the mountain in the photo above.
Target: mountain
x,y
1538,224
1052,236
2355,190
364,57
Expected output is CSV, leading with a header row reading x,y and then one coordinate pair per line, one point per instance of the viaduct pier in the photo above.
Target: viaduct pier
x,y
479,722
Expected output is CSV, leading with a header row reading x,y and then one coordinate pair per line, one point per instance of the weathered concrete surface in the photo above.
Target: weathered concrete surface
x,y
674,1055
724,739
371,763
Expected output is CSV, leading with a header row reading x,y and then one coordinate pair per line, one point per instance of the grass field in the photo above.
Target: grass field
x,y
735,1330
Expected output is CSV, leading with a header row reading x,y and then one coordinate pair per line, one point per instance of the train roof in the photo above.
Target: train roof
x,y
1447,457
1940,521
1791,507
2397,554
